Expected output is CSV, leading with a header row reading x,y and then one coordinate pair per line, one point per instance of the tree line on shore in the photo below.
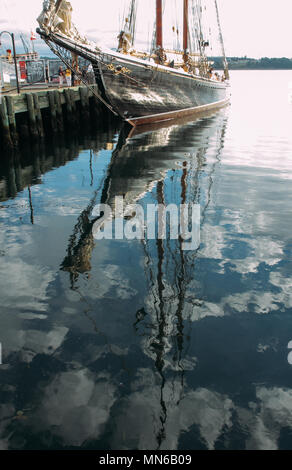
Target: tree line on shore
x,y
246,63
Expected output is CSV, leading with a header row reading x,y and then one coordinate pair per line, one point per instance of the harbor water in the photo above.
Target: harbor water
x,y
124,343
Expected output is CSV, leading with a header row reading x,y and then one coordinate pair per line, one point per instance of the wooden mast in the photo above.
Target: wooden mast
x,y
159,40
185,31
186,26
160,55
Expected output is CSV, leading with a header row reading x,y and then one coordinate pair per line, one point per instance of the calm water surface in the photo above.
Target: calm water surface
x,y
128,344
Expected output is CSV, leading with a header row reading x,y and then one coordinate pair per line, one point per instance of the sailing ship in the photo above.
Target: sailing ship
x,y
143,87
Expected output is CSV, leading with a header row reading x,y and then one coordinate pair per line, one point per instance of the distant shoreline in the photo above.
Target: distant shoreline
x,y
245,63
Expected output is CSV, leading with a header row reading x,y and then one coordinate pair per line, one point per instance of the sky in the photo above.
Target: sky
x,y
256,28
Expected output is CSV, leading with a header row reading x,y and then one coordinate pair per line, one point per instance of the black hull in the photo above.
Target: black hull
x,y
142,92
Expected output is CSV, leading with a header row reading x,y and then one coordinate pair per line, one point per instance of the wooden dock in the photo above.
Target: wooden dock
x,y
32,115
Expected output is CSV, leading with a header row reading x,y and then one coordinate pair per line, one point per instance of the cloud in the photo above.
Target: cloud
x,y
76,404
23,286
265,419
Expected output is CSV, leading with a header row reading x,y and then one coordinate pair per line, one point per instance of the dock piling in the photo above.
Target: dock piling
x,y
59,111
11,119
38,114
31,116
53,112
28,117
6,136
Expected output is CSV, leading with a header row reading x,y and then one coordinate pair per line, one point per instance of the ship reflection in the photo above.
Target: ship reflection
x,y
170,274
169,165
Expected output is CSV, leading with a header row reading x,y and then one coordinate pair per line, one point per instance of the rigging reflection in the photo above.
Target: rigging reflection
x,y
150,165
167,303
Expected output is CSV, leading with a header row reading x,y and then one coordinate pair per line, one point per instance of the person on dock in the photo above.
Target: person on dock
x,y
68,77
61,76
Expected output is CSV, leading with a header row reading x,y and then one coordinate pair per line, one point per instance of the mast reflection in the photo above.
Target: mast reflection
x,y
153,165
162,322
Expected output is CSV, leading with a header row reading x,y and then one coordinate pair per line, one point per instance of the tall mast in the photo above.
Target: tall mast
x,y
225,63
159,41
186,25
127,34
185,34
132,20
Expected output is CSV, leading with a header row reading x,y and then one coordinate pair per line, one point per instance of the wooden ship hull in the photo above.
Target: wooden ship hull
x,y
141,92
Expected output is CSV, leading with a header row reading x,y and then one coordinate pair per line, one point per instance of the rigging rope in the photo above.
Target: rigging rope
x,y
57,51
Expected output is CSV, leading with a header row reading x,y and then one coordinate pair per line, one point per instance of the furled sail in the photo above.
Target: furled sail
x,y
57,17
